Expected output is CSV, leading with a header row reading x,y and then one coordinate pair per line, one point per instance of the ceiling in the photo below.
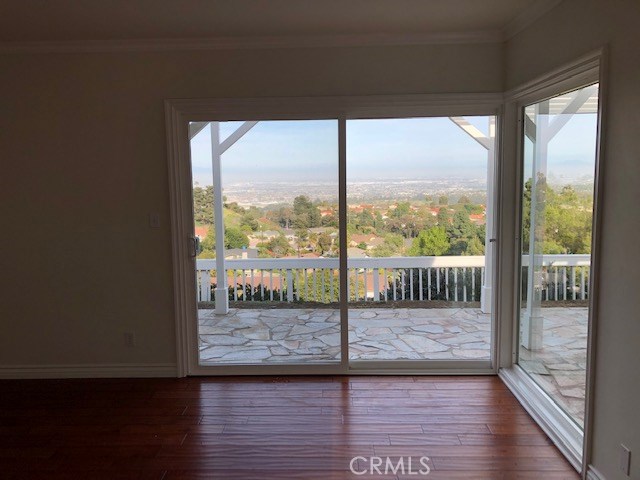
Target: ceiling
x,y
23,21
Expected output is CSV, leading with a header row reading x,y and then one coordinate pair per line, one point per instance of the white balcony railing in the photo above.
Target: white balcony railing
x,y
562,277
445,278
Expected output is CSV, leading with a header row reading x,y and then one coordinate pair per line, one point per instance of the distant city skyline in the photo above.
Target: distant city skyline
x,y
377,150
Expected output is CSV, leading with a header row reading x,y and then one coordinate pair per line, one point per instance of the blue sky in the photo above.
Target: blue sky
x,y
415,148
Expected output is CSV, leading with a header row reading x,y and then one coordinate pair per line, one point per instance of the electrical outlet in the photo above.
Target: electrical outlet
x,y
625,460
130,339
154,220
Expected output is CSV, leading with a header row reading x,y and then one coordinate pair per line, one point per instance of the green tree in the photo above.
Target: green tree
x,y
302,237
209,242
461,227
234,237
324,243
203,205
248,221
392,245
467,246
329,221
564,219
283,216
364,219
430,242
443,200
463,235
234,207
277,246
384,250
403,208
394,240
305,213
443,217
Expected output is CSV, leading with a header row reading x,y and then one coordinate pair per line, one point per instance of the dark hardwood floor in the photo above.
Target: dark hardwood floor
x,y
270,428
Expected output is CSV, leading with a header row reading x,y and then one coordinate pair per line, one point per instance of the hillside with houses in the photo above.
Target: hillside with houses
x,y
309,228
428,225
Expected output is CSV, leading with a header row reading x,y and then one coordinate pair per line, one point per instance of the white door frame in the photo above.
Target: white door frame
x,y
180,112
572,442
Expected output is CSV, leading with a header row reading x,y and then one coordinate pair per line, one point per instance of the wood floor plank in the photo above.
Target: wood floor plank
x,y
501,464
482,451
512,439
269,427
327,428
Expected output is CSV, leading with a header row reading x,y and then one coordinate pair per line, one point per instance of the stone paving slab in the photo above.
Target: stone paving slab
x,y
288,335
559,367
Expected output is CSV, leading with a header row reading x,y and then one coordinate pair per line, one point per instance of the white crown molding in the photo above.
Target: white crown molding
x,y
536,10
529,15
115,370
252,43
581,71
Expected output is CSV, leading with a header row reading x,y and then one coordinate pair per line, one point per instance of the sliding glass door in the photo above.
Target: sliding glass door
x,y
559,158
265,202
320,244
419,221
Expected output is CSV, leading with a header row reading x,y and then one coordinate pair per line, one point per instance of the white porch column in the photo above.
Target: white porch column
x,y
222,289
486,296
487,141
531,332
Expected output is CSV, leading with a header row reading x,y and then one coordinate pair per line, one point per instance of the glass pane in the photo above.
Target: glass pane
x,y
280,191
417,205
559,164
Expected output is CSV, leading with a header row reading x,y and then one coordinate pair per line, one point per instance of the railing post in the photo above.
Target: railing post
x,y
376,285
455,284
473,284
411,284
331,285
205,286
366,286
289,286
235,285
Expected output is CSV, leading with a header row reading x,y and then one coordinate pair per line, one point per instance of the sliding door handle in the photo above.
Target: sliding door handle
x,y
194,244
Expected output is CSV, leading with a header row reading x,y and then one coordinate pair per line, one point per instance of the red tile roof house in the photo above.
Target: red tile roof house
x,y
201,232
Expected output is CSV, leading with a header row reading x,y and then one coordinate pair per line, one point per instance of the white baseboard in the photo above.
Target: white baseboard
x,y
594,474
115,370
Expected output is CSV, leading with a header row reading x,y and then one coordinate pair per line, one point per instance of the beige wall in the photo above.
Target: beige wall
x,y
82,146
572,29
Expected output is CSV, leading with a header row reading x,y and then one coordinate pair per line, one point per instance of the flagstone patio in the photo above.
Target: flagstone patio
x,y
559,367
298,335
